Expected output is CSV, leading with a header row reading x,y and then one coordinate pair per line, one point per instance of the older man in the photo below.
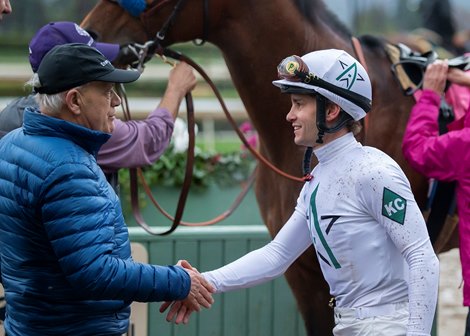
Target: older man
x,y
66,259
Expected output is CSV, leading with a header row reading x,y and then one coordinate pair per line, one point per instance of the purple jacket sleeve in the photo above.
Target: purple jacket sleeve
x,y
432,155
137,142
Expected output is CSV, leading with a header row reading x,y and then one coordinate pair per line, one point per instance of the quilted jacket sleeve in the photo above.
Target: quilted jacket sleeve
x,y
86,229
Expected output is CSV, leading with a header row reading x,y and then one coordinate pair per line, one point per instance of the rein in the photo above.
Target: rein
x,y
256,153
133,172
154,6
360,56
154,46
143,53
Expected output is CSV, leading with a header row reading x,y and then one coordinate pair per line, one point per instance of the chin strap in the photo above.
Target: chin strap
x,y
321,119
306,164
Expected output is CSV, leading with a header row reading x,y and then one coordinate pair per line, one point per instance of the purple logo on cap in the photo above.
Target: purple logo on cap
x,y
84,33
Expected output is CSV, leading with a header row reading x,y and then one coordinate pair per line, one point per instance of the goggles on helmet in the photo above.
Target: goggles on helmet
x,y
294,69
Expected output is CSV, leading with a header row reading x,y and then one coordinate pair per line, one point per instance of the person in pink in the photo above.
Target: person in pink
x,y
444,157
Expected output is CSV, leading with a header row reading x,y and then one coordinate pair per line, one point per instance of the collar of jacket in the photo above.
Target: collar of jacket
x,y
35,123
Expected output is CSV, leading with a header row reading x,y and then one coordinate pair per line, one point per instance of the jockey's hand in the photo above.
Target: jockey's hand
x,y
181,81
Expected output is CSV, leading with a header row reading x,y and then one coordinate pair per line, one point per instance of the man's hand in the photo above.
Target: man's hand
x,y
199,295
435,76
182,78
201,291
459,77
180,82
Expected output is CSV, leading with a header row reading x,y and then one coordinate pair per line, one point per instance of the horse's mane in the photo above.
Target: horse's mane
x,y
374,43
315,10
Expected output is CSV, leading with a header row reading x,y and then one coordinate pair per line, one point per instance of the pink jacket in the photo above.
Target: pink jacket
x,y
445,158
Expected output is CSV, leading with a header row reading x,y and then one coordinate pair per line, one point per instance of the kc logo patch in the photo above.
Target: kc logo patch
x,y
393,206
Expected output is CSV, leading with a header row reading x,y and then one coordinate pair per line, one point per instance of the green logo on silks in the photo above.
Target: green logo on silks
x,y
393,206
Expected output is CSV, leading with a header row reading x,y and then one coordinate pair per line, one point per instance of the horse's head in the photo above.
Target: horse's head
x,y
147,21
109,22
127,21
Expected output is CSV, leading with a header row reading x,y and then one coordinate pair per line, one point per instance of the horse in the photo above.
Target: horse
x,y
253,37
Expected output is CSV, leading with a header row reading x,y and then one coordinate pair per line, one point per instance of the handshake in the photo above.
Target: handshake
x,y
199,295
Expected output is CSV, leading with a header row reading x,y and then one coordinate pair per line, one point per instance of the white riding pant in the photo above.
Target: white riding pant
x,y
383,320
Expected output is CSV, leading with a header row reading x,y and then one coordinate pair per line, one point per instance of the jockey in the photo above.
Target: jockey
x,y
357,210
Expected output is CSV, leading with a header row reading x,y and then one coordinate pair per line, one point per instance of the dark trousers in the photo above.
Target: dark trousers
x,y
467,327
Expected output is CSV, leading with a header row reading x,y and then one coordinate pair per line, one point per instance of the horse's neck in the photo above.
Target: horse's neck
x,y
260,36
254,44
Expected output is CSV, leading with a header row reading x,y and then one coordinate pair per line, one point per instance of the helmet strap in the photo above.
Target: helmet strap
x,y
321,119
306,163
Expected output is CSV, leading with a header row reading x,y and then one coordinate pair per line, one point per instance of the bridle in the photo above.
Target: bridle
x,y
143,53
161,35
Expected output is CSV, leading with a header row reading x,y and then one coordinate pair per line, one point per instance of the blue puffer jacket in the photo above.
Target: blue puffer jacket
x,y
65,251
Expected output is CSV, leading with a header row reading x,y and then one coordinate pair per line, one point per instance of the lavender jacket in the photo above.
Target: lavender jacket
x,y
132,144
446,158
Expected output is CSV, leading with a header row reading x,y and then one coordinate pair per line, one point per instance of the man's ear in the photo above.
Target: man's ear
x,y
73,100
332,112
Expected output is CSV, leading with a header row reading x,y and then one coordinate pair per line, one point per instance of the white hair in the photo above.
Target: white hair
x,y
50,104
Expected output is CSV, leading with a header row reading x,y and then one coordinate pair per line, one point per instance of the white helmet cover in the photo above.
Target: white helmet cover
x,y
340,69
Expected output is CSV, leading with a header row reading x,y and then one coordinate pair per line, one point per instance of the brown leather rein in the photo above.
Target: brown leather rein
x,y
153,47
134,172
360,56
137,172
177,219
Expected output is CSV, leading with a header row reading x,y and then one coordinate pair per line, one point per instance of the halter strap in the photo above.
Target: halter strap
x,y
360,55
358,51
134,7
